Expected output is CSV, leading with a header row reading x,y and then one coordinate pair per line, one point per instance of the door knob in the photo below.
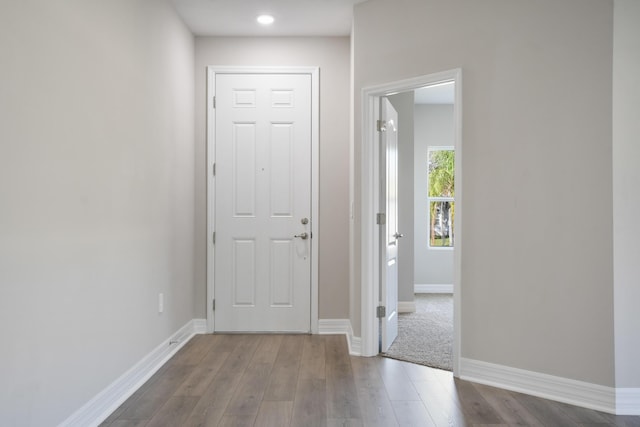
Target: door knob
x,y
303,236
398,235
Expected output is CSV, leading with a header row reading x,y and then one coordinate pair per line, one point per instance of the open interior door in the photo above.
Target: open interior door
x,y
389,222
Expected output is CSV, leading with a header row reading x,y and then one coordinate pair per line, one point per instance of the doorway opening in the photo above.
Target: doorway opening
x,y
450,223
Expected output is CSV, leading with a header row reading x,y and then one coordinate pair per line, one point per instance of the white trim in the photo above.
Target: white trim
x,y
314,72
339,327
432,289
108,400
628,401
406,306
369,204
565,390
200,326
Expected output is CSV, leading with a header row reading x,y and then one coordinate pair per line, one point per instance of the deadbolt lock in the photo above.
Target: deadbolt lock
x,y
304,221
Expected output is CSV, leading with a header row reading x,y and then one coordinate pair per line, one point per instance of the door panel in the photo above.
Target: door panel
x,y
244,169
389,232
262,192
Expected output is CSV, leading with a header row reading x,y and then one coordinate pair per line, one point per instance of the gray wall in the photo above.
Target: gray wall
x,y
626,197
433,127
537,142
96,196
332,55
403,103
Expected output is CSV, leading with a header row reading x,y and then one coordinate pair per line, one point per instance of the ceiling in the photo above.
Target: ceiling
x,y
442,93
292,17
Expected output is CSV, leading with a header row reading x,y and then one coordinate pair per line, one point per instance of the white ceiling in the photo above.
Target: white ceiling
x,y
292,17
442,93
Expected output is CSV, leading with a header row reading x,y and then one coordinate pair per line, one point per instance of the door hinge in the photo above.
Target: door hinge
x,y
381,312
214,102
213,304
214,169
381,219
213,238
381,125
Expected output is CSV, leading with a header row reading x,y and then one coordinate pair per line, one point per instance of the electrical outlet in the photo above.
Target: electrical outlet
x,y
160,303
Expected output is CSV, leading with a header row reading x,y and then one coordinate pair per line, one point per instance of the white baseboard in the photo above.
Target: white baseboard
x,y
406,306
108,400
341,326
199,326
565,390
628,401
432,289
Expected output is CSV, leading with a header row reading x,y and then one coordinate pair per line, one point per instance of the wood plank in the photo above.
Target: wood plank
x,y
210,408
227,342
376,407
365,372
282,384
193,351
342,397
128,423
274,414
174,413
581,415
337,353
236,421
284,376
507,406
245,347
344,422
157,394
312,363
250,391
309,408
547,413
479,411
248,395
395,380
202,375
622,420
441,406
412,413
268,349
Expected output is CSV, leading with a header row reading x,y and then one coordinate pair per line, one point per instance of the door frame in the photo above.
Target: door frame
x,y
314,72
370,199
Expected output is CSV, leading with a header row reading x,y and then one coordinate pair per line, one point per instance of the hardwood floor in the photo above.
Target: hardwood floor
x,y
310,380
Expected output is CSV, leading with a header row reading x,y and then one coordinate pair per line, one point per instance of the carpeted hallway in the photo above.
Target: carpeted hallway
x,y
426,336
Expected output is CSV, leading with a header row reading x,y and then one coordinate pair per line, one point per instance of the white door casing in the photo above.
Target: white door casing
x,y
370,192
262,194
389,234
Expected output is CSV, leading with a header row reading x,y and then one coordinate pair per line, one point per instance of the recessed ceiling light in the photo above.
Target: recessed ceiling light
x,y
265,19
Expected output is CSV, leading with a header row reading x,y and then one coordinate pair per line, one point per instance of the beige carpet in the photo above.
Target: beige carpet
x,y
426,336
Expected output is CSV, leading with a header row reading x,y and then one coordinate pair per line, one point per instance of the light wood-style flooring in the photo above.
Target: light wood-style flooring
x,y
310,380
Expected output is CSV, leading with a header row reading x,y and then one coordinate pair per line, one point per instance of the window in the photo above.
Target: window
x,y
440,196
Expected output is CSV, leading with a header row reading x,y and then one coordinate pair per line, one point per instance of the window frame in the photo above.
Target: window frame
x,y
431,199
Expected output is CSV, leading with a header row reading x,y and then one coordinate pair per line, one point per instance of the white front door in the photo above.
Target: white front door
x,y
262,203
389,231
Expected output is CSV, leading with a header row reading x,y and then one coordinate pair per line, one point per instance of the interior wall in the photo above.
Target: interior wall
x,y
403,103
433,127
96,189
537,149
626,181
332,55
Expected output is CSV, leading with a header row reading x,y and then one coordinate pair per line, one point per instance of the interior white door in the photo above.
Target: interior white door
x,y
262,203
389,231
